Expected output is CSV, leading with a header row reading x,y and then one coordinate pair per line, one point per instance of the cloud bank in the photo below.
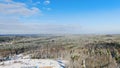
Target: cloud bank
x,y
9,7
46,2
16,27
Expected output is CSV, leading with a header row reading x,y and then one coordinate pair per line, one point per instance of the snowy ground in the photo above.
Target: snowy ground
x,y
22,62
32,63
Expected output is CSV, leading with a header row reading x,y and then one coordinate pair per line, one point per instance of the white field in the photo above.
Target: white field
x,y
31,63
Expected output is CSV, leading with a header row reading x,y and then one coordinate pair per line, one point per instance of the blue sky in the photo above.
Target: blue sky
x,y
59,16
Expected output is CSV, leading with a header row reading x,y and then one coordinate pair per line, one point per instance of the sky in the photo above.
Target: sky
x,y
59,16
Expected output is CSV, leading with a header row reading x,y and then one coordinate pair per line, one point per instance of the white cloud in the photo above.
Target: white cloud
x,y
13,25
46,2
48,9
16,8
8,0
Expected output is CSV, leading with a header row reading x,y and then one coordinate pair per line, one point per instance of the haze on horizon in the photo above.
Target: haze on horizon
x,y
59,16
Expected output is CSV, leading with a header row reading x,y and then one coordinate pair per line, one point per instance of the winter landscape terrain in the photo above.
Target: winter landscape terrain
x,y
60,51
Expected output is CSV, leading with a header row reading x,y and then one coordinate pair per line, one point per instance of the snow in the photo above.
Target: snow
x,y
32,63
20,61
